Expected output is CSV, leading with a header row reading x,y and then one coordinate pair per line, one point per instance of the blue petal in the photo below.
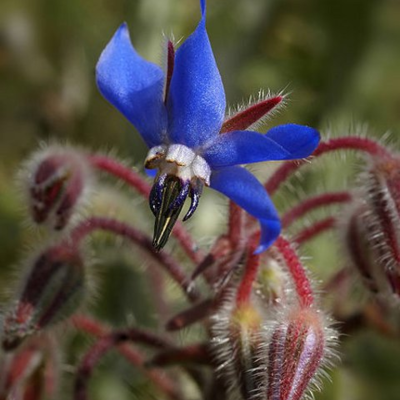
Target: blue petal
x,y
285,142
245,190
196,100
134,86
299,140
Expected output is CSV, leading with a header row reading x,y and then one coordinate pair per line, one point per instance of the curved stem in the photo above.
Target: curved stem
x,y
365,145
297,271
250,272
111,340
236,225
315,229
195,353
144,243
133,179
321,200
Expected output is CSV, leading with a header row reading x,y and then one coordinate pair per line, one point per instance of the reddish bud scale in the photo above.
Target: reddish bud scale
x,y
244,119
296,351
52,291
170,68
58,180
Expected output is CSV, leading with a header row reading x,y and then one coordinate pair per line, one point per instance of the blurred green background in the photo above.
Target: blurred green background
x,y
338,59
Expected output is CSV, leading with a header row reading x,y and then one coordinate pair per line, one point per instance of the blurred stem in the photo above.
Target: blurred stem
x,y
143,242
116,339
288,168
312,203
310,232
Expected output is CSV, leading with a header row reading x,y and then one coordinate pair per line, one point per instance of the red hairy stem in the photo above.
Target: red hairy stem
x,y
134,180
244,119
170,68
196,353
365,145
315,229
312,203
191,315
158,292
198,312
114,339
250,272
98,329
219,250
163,258
115,168
236,225
297,271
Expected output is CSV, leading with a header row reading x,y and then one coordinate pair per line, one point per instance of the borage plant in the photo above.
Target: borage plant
x,y
265,333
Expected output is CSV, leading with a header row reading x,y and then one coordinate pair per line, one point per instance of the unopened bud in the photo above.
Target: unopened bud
x,y
31,372
297,348
238,347
53,290
372,235
272,284
57,179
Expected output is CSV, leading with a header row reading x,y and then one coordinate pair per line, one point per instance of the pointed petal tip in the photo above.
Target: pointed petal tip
x,y
299,140
196,101
270,232
203,7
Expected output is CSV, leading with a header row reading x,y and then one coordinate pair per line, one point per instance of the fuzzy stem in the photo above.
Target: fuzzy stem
x,y
315,229
134,180
236,225
297,271
99,330
191,315
250,272
195,353
365,145
142,241
113,339
321,200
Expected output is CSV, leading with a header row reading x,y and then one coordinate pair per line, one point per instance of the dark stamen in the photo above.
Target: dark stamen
x,y
155,197
195,194
173,198
180,199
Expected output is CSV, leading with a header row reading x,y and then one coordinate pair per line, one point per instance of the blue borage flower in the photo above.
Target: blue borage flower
x,y
180,116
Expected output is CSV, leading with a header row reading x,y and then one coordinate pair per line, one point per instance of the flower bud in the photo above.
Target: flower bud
x,y
57,178
372,234
53,290
296,350
238,346
31,372
272,285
